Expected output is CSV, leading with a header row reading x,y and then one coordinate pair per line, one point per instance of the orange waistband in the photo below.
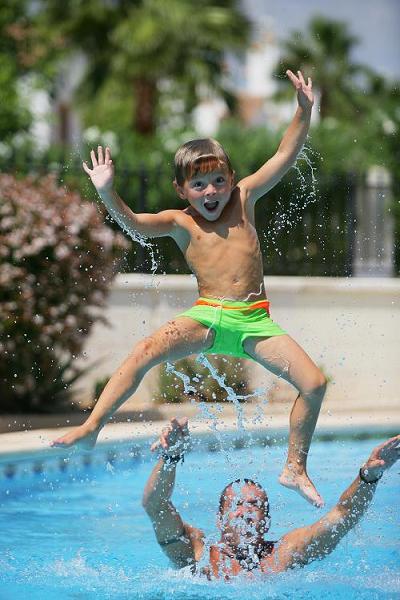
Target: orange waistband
x,y
253,306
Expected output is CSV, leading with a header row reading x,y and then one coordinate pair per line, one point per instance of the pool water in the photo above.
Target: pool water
x,y
86,536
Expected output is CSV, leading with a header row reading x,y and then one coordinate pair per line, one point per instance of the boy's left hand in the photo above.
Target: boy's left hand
x,y
305,96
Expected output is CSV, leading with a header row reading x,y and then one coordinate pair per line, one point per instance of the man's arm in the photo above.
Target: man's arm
x,y
306,544
150,225
176,538
260,182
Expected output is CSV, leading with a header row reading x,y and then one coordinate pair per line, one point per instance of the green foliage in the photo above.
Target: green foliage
x,y
99,386
14,62
57,260
322,52
171,388
140,46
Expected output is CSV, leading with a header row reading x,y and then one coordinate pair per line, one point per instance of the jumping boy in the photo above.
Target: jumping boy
x,y
216,234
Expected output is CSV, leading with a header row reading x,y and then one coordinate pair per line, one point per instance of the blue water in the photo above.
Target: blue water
x,y
87,536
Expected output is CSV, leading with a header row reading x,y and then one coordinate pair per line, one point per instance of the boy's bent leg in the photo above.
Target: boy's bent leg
x,y
178,338
284,357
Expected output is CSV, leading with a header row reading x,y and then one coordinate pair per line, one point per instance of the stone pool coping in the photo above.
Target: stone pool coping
x,y
27,459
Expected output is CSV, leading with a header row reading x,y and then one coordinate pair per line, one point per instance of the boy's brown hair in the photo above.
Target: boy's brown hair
x,y
200,156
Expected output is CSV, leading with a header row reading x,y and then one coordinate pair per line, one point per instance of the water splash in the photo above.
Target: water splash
x,y
230,393
205,410
291,214
136,237
119,219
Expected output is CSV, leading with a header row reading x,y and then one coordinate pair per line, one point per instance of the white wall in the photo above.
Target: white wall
x,y
349,326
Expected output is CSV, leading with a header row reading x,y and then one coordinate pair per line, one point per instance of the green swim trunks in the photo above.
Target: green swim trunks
x,y
233,322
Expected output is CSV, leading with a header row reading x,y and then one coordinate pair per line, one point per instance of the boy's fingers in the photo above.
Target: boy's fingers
x,y
301,78
108,155
101,156
86,168
309,82
94,159
292,76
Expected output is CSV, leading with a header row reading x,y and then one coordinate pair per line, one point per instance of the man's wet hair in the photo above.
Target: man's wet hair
x,y
200,156
243,481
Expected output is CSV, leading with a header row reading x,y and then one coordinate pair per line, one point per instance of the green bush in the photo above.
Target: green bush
x,y
195,382
57,260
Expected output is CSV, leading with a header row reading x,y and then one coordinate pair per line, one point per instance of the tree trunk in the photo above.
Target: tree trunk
x,y
145,91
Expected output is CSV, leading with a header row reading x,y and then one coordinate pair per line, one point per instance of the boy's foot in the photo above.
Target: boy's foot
x,y
81,436
301,483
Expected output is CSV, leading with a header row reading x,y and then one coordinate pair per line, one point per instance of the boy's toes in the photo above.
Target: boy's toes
x,y
60,443
301,483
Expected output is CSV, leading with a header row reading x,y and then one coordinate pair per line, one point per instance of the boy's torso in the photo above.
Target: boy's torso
x,y
225,254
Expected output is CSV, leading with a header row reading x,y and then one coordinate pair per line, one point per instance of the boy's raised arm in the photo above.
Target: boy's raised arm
x,y
102,176
314,542
260,182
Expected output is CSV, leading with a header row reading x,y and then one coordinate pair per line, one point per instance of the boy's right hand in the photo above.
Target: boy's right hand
x,y
102,173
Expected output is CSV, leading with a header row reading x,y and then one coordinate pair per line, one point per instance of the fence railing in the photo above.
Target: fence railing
x,y
305,227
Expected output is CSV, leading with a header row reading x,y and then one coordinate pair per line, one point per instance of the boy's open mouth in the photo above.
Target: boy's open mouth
x,y
211,205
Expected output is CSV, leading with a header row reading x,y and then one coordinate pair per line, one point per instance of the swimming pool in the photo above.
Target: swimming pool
x,y
80,532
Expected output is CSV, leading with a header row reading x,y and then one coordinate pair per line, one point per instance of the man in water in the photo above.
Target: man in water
x,y
243,516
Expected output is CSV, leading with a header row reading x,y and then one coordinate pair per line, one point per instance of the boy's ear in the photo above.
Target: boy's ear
x,y
179,190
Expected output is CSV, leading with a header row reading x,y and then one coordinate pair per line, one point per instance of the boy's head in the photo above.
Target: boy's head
x,y
204,176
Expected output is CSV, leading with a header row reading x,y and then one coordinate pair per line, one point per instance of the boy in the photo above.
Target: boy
x,y
217,236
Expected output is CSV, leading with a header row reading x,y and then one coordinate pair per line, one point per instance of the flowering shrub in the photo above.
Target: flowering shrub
x,y
57,259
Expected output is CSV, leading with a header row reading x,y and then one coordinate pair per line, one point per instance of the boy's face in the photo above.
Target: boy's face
x,y
208,193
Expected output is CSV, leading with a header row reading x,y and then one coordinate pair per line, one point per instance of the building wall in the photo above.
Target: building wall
x,y
350,327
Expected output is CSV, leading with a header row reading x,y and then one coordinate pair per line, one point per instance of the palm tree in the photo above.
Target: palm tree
x,y
146,42
323,52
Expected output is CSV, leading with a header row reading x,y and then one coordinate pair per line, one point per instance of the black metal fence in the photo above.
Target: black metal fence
x,y
305,227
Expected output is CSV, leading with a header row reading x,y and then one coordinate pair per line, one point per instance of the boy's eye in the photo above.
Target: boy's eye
x,y
220,179
197,184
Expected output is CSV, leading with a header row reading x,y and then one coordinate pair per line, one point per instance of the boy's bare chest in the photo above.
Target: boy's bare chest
x,y
236,236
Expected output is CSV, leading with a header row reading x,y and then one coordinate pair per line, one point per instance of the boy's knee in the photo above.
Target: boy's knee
x,y
316,387
142,353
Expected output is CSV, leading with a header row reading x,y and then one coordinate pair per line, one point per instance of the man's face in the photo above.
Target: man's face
x,y
243,519
208,193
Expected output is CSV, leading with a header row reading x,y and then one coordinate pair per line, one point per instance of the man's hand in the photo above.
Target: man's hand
x,y
102,173
305,96
382,458
175,438
316,541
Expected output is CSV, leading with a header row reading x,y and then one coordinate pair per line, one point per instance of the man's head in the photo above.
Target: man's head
x,y
243,513
204,176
